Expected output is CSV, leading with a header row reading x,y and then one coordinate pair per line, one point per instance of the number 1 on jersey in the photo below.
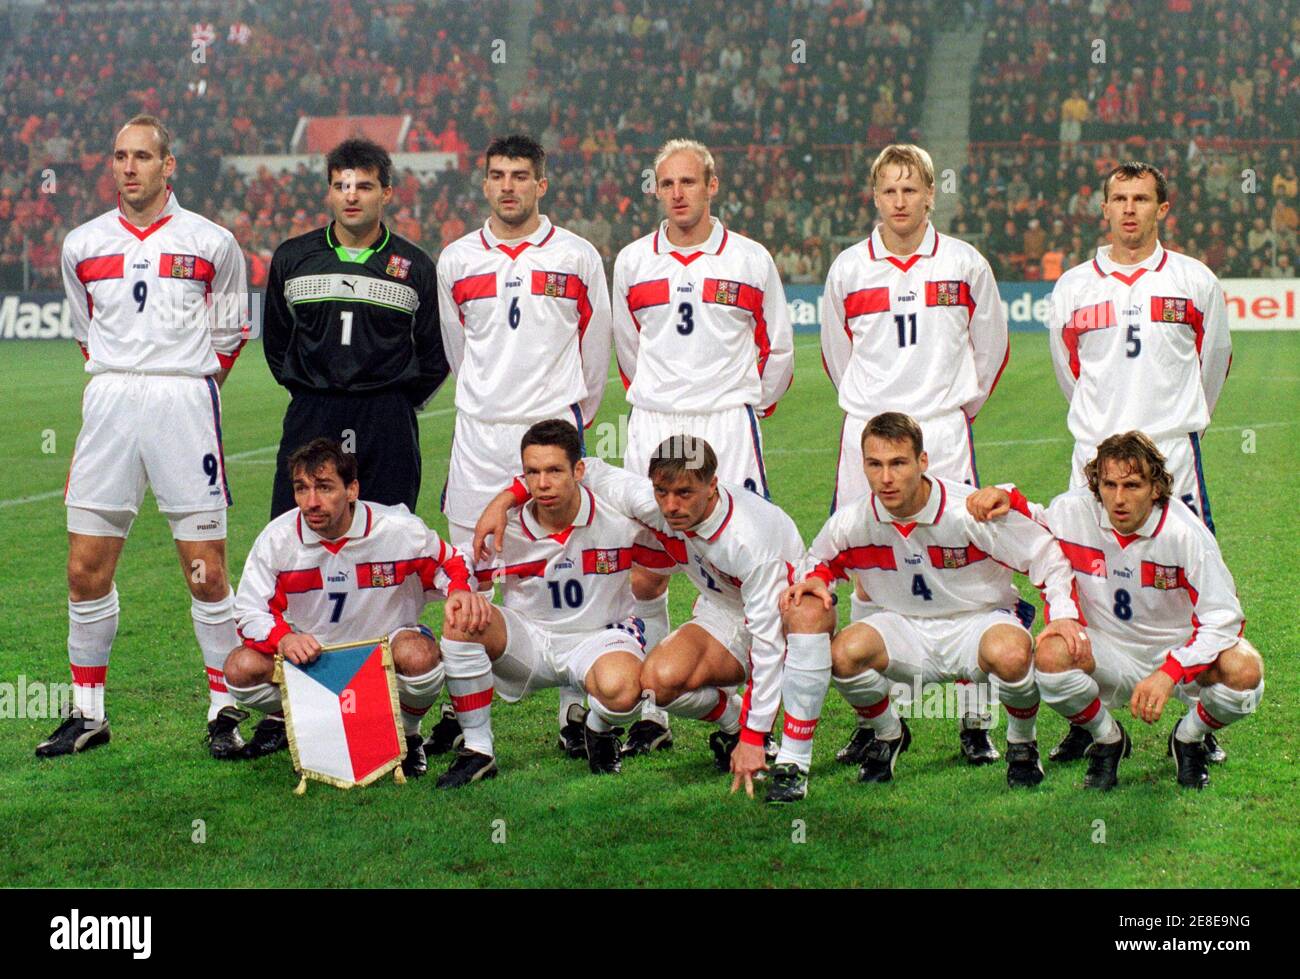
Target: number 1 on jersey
x,y
902,322
346,339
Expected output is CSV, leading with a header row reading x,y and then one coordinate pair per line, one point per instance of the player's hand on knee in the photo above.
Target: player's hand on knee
x,y
299,648
1150,696
1070,632
987,503
492,524
746,761
468,611
815,587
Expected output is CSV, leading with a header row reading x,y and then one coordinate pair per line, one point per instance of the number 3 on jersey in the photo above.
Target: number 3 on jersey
x,y
686,319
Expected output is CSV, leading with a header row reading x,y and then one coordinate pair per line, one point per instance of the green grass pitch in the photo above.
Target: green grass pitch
x,y
126,815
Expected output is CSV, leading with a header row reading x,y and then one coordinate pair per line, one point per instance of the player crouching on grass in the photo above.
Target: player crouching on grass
x,y
1160,606
564,564
947,607
342,570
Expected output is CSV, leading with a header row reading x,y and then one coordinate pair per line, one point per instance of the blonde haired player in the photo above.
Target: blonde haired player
x,y
704,345
1161,610
158,301
1139,340
911,322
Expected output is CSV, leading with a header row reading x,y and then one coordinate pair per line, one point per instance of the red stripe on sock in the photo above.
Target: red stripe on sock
x,y
872,710
1205,717
472,701
721,709
799,730
1088,713
88,676
216,680
1025,713
417,711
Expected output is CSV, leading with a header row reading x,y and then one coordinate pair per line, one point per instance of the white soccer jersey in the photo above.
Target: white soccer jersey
x,y
923,335
525,324
1143,348
171,298
742,557
578,580
943,561
1164,587
702,329
376,578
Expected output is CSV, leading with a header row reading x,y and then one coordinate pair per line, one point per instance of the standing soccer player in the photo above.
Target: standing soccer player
x,y
704,345
338,569
525,320
911,322
159,305
351,329
1161,609
1139,339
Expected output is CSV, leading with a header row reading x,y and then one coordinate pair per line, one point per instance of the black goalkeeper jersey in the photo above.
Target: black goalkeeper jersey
x,y
334,324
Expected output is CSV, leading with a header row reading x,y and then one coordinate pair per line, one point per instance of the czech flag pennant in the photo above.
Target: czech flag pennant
x,y
342,715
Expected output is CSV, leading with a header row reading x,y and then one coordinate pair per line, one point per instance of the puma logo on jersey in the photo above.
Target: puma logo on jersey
x,y
350,285
342,576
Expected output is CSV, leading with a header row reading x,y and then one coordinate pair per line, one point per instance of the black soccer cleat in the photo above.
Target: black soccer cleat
x,y
977,747
1073,746
75,734
572,740
787,782
723,744
1193,762
224,740
1024,770
1214,753
468,766
269,736
879,758
644,737
855,751
1104,759
446,735
604,751
415,763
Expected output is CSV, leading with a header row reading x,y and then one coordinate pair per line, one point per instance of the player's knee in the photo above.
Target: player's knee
x,y
1241,666
414,654
660,675
87,579
809,616
1010,659
246,667
1052,655
456,634
212,586
619,690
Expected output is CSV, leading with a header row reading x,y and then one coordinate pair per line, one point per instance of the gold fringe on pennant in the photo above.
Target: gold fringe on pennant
x,y
302,786
399,776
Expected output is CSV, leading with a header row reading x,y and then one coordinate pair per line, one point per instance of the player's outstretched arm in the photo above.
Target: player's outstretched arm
x,y
1150,696
988,502
492,524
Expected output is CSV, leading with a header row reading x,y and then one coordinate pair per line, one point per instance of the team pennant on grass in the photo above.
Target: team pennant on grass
x,y
342,715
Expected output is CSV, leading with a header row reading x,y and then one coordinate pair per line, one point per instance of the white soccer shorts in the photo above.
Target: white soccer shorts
x,y
949,445
1120,666
725,626
734,436
938,650
536,658
156,430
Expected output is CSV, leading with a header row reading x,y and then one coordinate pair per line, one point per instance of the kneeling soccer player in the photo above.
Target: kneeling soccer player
x,y
342,570
566,615
1160,606
948,608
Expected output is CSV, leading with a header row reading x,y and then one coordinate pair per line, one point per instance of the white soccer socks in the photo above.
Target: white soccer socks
x,y
1219,705
261,697
214,628
653,613
92,625
708,704
416,694
803,692
1076,695
469,681
602,719
1021,701
868,693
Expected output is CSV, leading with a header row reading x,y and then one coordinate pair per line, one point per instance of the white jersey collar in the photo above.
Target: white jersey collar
x,y
928,247
1150,527
1152,263
515,245
533,529
169,210
711,527
712,245
362,521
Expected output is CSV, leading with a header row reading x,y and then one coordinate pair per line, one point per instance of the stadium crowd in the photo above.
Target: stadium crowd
x,y
794,96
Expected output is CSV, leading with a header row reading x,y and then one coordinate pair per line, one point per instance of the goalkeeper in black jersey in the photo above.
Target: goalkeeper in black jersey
x,y
350,327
